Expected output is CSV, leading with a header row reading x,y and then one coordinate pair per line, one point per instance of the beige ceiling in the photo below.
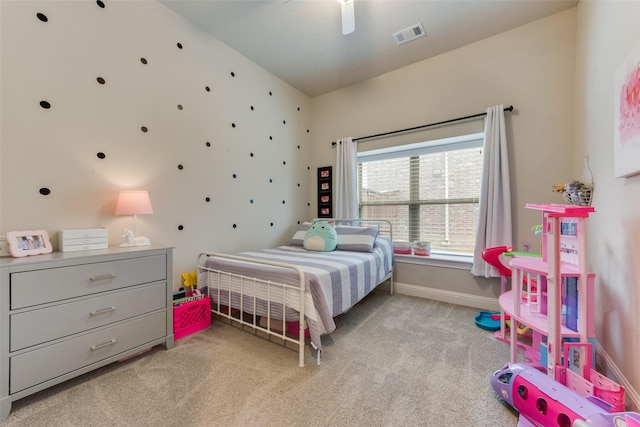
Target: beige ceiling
x,y
301,41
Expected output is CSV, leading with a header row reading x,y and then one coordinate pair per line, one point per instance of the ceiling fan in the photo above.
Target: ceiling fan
x,y
348,16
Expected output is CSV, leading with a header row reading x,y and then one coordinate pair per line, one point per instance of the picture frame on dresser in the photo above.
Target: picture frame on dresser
x,y
28,242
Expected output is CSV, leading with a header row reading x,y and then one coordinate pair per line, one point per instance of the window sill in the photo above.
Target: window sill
x,y
460,262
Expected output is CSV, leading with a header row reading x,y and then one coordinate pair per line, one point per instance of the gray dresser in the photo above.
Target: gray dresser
x,y
65,314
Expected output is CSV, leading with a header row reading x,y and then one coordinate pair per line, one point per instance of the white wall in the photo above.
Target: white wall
x,y
530,67
608,31
60,60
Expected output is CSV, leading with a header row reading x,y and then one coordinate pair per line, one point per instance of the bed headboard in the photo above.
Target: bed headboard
x,y
384,226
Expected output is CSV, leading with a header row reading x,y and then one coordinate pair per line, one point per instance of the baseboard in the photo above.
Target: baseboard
x,y
631,396
484,303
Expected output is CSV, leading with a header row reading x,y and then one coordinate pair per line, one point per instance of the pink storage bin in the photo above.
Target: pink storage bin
x,y
402,248
190,317
422,248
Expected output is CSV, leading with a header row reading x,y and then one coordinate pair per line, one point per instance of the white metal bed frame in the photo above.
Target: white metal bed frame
x,y
299,290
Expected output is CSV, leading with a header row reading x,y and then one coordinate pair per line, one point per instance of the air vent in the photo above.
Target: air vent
x,y
409,34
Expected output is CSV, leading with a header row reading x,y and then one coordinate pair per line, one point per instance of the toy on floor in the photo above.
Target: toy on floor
x,y
498,321
528,339
542,401
488,320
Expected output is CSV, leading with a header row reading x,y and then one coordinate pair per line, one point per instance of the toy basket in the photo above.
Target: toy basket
x,y
190,317
581,197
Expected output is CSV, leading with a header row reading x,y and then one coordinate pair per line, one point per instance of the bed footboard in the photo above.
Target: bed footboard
x,y
262,304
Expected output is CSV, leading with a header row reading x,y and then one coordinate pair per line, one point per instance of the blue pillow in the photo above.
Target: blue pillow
x,y
321,237
358,239
298,237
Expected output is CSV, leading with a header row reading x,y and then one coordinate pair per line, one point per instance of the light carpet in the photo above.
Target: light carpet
x,y
392,361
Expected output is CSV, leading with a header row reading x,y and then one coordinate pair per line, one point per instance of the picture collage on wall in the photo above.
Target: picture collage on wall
x,y
325,194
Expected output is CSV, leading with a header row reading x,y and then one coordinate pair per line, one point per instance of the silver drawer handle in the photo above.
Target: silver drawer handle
x,y
102,277
99,346
102,311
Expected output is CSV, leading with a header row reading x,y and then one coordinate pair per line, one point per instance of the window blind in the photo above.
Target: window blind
x,y
429,191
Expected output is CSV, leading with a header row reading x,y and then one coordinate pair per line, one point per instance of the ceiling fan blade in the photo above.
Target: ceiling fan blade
x,y
348,17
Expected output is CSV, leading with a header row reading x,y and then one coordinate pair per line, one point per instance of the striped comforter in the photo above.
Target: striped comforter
x,y
334,282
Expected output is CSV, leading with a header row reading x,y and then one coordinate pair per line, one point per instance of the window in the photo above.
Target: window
x,y
429,191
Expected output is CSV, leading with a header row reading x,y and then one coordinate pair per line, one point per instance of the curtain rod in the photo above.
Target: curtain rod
x,y
509,108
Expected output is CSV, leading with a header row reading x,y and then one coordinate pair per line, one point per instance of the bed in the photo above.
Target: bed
x,y
292,293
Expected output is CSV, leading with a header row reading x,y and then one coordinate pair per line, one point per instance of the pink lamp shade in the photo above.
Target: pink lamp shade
x,y
132,202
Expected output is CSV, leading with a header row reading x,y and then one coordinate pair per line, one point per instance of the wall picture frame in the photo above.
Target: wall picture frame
x,y
28,242
626,160
324,212
325,193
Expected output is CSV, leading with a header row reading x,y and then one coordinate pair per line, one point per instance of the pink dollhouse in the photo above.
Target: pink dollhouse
x,y
551,298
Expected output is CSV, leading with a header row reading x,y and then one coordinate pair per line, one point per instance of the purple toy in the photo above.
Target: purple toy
x,y
544,402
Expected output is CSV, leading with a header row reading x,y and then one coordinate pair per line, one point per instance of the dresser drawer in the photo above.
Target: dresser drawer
x,y
41,365
55,284
47,324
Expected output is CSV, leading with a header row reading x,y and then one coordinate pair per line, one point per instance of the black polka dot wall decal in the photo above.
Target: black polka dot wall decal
x,y
207,199
233,125
207,88
233,74
283,202
101,155
308,204
298,147
179,45
180,227
251,108
270,180
179,107
251,201
270,138
180,167
42,17
298,222
143,60
298,108
144,129
45,105
101,80
235,176
272,224
284,122
208,144
45,191
307,130
298,184
308,168
100,3
284,163
270,93
251,154
234,225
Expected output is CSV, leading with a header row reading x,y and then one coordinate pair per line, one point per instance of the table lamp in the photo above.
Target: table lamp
x,y
132,202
